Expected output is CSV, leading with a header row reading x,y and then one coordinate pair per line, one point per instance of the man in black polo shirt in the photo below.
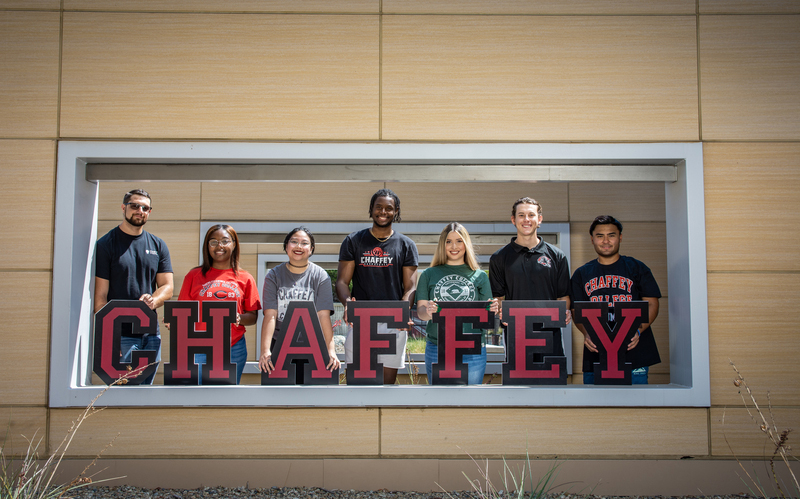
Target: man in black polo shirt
x,y
528,268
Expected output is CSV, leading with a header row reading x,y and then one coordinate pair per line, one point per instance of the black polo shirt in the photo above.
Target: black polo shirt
x,y
519,273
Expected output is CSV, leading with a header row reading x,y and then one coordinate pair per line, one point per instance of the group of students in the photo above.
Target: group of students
x,y
376,263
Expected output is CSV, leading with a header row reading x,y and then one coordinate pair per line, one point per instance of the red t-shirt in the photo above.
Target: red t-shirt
x,y
222,285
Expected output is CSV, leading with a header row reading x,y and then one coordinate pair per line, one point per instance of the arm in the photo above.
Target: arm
x,y
652,309
569,312
267,331
409,282
327,331
163,291
343,278
100,293
247,318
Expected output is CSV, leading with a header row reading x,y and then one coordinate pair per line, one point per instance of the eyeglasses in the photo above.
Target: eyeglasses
x,y
214,243
302,244
137,206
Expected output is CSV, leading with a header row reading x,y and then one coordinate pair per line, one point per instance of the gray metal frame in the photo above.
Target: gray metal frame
x,y
76,226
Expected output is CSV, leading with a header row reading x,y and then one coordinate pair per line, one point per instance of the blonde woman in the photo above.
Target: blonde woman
x,y
454,275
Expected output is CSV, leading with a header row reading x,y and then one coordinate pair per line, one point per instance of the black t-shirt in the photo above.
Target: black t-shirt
x,y
539,273
130,263
627,279
378,273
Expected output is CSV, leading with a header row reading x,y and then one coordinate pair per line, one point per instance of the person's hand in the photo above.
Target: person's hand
x,y
431,308
590,344
634,341
495,306
333,364
148,300
265,362
569,316
166,324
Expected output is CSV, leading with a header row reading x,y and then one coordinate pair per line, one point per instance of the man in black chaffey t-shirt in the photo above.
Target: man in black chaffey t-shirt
x,y
612,277
382,264
528,268
132,264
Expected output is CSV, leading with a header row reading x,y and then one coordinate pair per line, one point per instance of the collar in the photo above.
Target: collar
x,y
539,248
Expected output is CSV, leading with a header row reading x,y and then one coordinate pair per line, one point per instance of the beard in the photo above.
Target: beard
x,y
383,225
135,222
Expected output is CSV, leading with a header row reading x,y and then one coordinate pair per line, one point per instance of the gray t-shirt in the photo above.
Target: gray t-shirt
x,y
282,286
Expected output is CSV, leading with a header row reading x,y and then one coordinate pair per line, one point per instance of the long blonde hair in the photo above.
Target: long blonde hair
x,y
440,257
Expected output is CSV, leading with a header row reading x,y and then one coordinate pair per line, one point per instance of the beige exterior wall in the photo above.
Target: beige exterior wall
x,y
599,71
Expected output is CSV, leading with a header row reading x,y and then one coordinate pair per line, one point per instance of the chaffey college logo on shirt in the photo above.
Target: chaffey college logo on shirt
x,y
544,261
376,257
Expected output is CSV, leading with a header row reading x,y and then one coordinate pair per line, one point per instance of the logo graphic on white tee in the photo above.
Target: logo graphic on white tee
x,y
544,261
454,288
376,257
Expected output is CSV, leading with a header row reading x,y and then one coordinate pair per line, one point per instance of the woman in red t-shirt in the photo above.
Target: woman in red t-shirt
x,y
221,278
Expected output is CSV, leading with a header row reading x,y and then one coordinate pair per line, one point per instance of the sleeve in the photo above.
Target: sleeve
x,y
422,286
102,261
346,251
648,287
164,262
484,290
497,278
411,256
186,287
577,288
562,284
324,292
270,291
250,301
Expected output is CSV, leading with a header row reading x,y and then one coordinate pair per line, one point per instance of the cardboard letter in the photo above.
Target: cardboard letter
x,y
367,343
107,331
524,339
454,343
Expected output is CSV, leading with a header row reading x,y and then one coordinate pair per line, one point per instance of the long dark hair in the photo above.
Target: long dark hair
x,y
234,254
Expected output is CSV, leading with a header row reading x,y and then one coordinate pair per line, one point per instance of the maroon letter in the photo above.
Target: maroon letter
x,y
454,343
107,330
186,341
302,339
367,343
524,339
612,343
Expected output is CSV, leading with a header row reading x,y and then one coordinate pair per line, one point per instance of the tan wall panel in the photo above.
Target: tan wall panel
x,y
539,78
223,432
170,200
30,4
748,7
290,201
744,435
753,322
348,6
220,76
626,201
477,202
29,79
645,241
23,425
549,7
28,172
760,181
560,432
749,69
25,338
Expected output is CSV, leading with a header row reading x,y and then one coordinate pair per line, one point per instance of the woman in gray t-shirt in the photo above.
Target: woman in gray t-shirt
x,y
297,279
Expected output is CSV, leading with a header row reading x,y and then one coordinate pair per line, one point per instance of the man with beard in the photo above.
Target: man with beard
x,y
132,264
382,264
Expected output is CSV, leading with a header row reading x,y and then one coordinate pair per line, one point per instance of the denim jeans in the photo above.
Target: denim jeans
x,y
238,357
638,377
127,344
476,364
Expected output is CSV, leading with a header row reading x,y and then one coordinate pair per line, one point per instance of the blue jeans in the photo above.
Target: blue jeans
x,y
127,344
238,357
638,376
476,364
